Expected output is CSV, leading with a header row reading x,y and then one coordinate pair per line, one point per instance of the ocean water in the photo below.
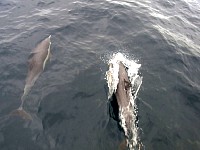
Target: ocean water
x,y
69,101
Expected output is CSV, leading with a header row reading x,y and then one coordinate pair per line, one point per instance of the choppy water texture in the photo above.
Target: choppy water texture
x,y
69,101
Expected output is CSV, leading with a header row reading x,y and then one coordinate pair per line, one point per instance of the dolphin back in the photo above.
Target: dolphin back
x,y
123,87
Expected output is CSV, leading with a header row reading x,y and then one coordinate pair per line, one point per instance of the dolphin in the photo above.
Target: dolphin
x,y
123,95
37,62
123,88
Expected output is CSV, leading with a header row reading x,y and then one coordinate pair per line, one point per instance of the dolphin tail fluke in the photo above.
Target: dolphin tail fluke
x,y
21,113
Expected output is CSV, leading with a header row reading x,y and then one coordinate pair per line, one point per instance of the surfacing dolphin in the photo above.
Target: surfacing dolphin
x,y
123,95
37,62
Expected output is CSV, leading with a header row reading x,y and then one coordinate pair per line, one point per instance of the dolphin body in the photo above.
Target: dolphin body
x,y
123,87
123,96
123,93
37,62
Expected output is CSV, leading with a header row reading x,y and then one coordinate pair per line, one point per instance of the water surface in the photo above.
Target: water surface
x,y
69,100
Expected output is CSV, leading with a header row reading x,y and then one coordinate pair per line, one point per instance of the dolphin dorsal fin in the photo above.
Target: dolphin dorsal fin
x,y
127,84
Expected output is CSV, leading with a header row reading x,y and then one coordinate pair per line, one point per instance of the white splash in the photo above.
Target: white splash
x,y
136,81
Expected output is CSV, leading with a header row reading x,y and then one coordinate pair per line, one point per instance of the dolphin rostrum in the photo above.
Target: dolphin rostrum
x,y
37,62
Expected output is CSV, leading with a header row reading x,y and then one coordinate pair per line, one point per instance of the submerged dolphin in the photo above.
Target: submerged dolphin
x,y
37,62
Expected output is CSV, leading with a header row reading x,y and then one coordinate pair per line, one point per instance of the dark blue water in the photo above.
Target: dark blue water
x,y
69,100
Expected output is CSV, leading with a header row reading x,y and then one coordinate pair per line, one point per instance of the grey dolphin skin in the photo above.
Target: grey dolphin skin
x,y
123,87
37,62
122,95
